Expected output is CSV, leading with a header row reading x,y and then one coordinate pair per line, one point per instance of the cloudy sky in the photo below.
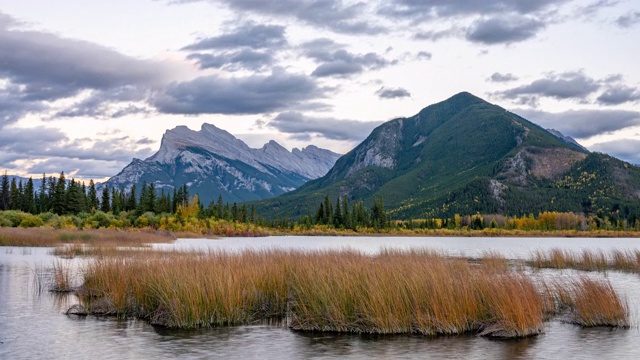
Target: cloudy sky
x,y
85,86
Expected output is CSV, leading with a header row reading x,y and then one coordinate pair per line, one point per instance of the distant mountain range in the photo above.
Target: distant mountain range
x,y
465,155
212,162
460,156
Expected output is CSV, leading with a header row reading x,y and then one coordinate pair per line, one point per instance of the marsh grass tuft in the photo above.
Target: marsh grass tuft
x,y
588,302
415,291
62,278
587,260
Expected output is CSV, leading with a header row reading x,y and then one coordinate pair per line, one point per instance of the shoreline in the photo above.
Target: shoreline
x,y
47,236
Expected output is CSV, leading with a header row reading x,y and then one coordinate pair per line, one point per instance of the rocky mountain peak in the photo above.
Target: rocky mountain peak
x,y
213,162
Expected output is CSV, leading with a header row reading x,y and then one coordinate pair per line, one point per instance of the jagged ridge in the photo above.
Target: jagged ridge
x,y
212,162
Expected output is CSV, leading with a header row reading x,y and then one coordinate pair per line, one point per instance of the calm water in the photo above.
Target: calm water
x,y
33,326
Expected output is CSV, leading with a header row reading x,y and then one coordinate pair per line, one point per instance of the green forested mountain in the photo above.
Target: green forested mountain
x,y
465,155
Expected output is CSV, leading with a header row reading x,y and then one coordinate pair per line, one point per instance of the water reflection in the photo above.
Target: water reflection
x,y
456,246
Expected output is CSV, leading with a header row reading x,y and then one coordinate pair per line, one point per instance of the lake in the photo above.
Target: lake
x,y
33,324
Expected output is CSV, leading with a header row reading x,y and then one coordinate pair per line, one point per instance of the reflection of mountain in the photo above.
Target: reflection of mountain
x,y
465,155
212,162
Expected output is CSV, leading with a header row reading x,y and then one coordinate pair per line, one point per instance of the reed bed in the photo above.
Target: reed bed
x,y
48,237
417,291
587,260
588,302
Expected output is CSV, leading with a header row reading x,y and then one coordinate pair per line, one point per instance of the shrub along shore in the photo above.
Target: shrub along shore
x,y
54,234
395,292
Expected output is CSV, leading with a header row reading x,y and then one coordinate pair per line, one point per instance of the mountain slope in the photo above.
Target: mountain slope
x,y
212,162
462,155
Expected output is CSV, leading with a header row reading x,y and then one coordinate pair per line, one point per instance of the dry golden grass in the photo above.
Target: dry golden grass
x,y
588,303
63,278
587,260
417,291
47,237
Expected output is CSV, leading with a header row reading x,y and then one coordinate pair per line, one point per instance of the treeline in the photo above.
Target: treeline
x,y
345,216
62,197
62,203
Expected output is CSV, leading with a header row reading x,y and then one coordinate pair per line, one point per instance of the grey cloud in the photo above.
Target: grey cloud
x,y
300,125
7,21
21,140
619,94
337,68
590,10
254,36
414,9
424,55
329,14
613,78
433,35
39,67
629,20
145,141
87,169
52,142
12,107
340,62
624,149
320,49
499,77
241,95
128,111
385,93
241,59
108,103
569,85
501,30
583,124
56,67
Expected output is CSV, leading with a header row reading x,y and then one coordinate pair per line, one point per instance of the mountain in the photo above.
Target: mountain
x,y
212,162
465,155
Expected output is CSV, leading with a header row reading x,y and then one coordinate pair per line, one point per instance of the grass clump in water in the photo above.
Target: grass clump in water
x,y
587,260
589,303
419,292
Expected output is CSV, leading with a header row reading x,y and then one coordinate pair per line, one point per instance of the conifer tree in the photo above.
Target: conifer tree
x,y
4,192
320,216
219,207
52,183
92,197
14,196
117,200
346,214
143,204
244,213
337,214
328,211
105,206
28,200
151,197
73,198
58,200
42,203
132,200
234,212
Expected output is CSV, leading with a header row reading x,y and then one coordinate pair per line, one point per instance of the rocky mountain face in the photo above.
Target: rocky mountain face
x,y
465,155
212,162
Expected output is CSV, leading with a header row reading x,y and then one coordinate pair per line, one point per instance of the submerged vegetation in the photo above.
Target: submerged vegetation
x,y
418,291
